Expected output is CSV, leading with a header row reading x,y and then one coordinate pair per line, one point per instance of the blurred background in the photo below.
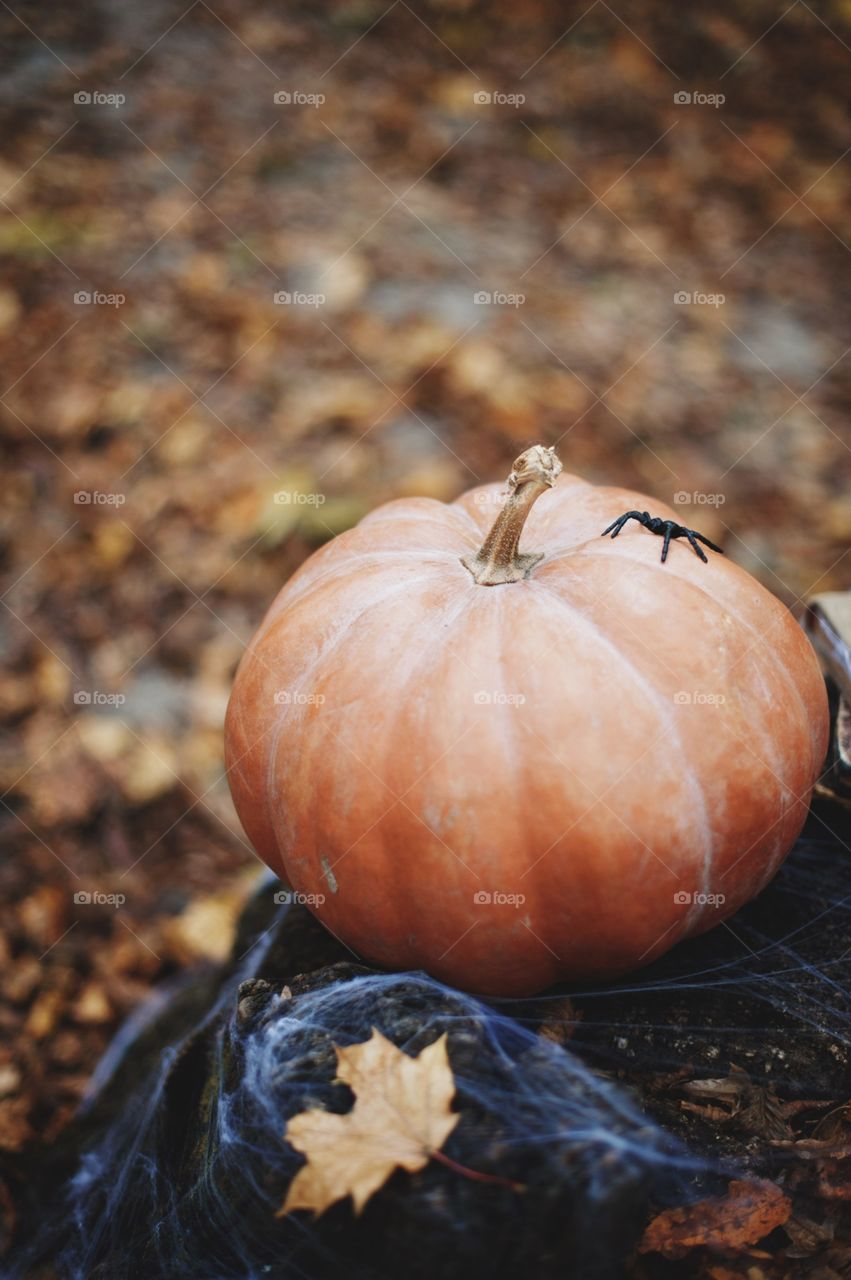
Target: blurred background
x,y
265,266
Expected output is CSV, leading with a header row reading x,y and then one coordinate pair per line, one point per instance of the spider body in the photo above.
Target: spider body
x,y
667,529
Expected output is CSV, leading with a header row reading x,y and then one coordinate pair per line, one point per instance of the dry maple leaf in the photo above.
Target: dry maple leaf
x,y
400,1118
749,1211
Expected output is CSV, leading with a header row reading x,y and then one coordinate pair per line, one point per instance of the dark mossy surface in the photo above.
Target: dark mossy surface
x,y
734,1044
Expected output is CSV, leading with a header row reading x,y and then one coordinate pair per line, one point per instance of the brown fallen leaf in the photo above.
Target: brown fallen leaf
x,y
92,1005
753,1108
833,1183
727,1089
729,1223
205,930
401,1117
807,1237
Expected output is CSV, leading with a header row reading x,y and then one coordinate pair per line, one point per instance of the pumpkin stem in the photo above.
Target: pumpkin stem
x,y
498,559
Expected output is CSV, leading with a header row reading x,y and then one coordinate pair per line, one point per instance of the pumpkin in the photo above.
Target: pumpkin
x,y
511,769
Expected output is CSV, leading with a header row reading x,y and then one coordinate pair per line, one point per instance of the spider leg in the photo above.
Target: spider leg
x,y
668,534
616,525
709,544
693,544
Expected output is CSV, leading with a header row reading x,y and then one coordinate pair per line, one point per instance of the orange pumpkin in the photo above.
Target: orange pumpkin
x,y
509,769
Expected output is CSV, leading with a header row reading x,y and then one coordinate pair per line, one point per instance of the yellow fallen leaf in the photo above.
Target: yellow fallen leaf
x,y
206,929
400,1118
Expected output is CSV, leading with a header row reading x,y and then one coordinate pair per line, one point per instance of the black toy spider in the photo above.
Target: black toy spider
x,y
667,528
